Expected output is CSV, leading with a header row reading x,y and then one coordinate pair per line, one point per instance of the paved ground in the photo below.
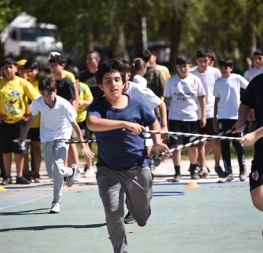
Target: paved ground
x,y
210,219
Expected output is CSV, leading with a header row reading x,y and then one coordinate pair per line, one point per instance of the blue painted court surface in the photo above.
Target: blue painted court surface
x,y
214,218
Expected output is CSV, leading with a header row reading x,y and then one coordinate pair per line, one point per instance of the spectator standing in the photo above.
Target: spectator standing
x,y
31,70
227,99
13,90
258,63
85,99
163,69
208,76
66,89
183,92
138,70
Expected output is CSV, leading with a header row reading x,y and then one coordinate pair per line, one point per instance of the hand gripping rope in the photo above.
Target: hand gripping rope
x,y
157,157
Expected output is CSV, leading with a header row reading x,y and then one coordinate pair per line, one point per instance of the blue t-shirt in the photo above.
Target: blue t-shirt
x,y
118,149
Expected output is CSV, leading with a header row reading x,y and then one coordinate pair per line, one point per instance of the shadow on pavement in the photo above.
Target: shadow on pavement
x,y
26,212
52,227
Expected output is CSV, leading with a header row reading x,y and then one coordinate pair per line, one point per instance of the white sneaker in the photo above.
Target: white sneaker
x,y
70,180
55,208
89,172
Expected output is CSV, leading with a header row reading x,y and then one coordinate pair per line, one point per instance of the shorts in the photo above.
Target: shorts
x,y
34,134
183,127
148,139
84,129
208,129
256,175
8,133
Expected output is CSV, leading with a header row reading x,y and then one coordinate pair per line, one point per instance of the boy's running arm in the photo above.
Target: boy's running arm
x,y
98,125
243,112
85,149
158,145
28,125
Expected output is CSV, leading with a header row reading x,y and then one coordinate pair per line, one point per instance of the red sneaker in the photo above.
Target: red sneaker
x,y
142,224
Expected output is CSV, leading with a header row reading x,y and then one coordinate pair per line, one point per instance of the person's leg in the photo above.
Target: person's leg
x,y
36,149
256,180
112,196
19,160
257,197
138,184
73,155
7,160
241,159
2,168
175,142
60,149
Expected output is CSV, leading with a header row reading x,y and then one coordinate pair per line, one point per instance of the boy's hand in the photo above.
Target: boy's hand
x,y
238,127
87,152
135,128
249,139
161,147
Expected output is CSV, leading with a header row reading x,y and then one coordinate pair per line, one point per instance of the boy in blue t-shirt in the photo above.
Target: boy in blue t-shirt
x,y
123,165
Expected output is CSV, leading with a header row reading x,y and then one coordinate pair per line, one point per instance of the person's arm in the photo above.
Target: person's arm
x,y
163,115
98,125
85,148
87,99
167,102
215,126
243,112
25,130
202,104
157,141
251,138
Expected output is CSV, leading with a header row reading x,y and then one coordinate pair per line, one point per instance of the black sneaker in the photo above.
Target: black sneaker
x,y
7,180
194,172
243,174
22,180
219,171
227,178
177,178
36,177
128,219
203,172
27,175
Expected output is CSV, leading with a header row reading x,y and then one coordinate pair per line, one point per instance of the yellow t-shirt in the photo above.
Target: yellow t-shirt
x,y
69,75
12,98
36,124
165,71
85,94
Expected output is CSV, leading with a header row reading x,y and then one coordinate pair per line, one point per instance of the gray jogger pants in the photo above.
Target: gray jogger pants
x,y
113,185
55,155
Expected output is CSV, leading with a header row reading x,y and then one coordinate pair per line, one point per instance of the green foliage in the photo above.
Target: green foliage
x,y
228,27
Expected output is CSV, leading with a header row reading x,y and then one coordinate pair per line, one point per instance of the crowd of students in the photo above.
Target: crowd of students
x,y
117,101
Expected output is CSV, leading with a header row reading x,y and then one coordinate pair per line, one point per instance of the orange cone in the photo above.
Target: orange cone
x,y
2,189
193,184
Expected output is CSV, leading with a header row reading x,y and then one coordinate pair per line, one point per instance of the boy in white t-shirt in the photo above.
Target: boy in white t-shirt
x,y
58,117
182,94
227,100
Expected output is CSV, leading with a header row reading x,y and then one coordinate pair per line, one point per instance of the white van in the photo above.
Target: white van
x,y
25,36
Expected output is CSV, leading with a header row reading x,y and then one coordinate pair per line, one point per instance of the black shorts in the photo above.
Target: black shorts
x,y
8,133
208,129
256,175
85,131
183,127
34,134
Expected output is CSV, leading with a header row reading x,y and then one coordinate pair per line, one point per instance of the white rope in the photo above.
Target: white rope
x,y
195,135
